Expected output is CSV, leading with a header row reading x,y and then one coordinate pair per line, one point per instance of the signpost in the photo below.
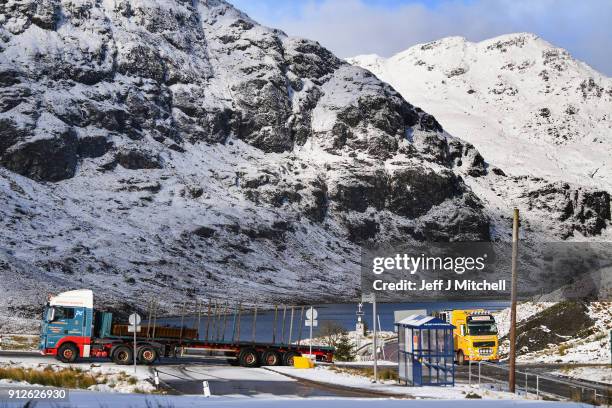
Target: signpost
x,y
311,321
134,326
371,298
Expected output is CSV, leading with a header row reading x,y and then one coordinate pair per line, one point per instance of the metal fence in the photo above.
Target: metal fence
x,y
547,387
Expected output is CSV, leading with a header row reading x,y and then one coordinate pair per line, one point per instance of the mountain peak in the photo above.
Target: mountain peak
x,y
509,92
205,152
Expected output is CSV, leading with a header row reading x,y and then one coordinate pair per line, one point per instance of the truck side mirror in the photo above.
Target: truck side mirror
x,y
51,314
462,329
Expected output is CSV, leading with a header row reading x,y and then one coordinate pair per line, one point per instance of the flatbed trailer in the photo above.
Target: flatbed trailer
x,y
71,330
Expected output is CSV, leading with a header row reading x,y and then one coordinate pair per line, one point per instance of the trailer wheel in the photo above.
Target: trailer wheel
x,y
460,358
249,358
147,355
271,358
122,355
67,353
288,357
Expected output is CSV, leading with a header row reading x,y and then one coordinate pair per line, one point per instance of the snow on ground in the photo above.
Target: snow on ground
x,y
361,363
93,400
594,348
523,312
326,374
598,374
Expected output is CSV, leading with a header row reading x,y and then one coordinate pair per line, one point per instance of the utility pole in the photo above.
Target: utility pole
x,y
512,357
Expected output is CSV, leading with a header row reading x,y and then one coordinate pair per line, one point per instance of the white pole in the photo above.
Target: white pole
x,y
134,357
375,334
291,326
382,346
311,321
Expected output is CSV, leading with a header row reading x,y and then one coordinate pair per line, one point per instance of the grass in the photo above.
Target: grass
x,y
383,373
65,378
18,342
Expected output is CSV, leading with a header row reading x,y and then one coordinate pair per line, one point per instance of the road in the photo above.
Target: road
x,y
184,376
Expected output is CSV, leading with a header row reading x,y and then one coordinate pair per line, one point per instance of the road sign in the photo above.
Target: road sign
x,y
134,327
311,314
134,319
311,323
368,298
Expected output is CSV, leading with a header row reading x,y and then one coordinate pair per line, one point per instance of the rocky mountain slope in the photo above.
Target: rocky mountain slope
x,y
540,116
176,148
565,332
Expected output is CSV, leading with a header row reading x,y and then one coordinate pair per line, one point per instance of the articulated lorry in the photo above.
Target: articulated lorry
x,y
475,334
72,329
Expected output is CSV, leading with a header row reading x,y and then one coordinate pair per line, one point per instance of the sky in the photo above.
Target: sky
x,y
385,27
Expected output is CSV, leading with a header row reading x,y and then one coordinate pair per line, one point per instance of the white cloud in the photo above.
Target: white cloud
x,y
351,27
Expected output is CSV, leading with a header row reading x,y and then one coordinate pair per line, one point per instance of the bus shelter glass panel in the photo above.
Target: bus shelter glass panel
x,y
425,351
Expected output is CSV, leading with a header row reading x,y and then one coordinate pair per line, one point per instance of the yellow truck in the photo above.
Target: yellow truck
x,y
475,334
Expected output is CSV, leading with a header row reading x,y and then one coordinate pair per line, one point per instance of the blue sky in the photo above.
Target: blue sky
x,y
385,27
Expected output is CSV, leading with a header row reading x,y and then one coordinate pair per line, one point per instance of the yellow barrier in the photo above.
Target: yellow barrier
x,y
302,362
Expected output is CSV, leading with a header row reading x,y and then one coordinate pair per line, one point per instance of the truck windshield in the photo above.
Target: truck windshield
x,y
482,328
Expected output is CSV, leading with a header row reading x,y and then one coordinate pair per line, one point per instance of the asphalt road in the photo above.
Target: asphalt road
x,y
185,376
224,380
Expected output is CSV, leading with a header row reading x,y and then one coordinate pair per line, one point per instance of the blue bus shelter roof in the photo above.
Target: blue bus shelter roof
x,y
424,322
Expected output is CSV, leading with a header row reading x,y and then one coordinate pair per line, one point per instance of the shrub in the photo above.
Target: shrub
x,y
65,378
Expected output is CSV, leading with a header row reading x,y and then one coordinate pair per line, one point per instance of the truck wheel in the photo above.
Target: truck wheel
x,y
460,358
271,358
288,357
67,353
249,358
147,355
122,355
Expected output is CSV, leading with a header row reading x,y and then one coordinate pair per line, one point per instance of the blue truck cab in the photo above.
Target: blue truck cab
x,y
67,324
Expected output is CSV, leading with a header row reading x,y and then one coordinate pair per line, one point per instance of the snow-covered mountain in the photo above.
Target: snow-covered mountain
x,y
528,106
173,148
541,119
176,148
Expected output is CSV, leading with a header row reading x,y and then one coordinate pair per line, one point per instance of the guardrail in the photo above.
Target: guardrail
x,y
539,385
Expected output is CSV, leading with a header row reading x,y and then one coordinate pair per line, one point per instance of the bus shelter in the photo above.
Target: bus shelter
x,y
426,351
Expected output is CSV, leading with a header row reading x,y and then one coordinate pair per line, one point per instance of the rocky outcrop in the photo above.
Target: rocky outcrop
x,y
568,319
578,209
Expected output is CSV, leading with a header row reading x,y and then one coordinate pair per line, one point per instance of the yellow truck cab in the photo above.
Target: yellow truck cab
x,y
475,334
